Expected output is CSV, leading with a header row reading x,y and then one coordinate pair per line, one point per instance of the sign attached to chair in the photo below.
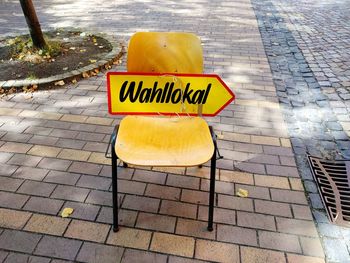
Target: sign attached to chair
x,y
167,94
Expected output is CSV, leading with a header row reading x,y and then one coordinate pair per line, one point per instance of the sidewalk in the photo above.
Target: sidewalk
x,y
52,156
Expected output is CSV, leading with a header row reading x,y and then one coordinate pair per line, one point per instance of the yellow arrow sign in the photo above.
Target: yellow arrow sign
x,y
167,94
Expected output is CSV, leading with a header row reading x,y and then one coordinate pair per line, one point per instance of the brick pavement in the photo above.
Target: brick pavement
x,y
306,43
52,156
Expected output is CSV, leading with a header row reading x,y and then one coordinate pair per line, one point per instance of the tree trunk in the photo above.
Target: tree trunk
x,y
33,23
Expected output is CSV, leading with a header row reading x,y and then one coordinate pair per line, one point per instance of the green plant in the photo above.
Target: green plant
x,y
31,76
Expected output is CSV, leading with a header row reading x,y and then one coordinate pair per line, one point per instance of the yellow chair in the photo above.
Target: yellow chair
x,y
158,141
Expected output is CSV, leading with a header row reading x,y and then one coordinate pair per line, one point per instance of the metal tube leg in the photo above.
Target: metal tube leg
x,y
212,192
114,188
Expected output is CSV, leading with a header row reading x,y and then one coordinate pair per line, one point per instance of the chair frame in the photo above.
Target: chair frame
x,y
115,180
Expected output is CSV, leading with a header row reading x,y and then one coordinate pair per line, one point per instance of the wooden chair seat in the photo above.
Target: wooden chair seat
x,y
157,141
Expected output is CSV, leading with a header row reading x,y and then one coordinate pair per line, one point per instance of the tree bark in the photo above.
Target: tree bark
x,y
33,23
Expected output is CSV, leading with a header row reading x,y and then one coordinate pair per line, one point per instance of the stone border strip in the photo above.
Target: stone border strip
x,y
118,50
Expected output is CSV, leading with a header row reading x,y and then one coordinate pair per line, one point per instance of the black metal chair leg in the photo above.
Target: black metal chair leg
x,y
212,192
114,186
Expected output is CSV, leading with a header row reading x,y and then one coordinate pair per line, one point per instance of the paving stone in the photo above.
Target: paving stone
x,y
99,198
131,187
19,258
233,202
38,130
156,222
47,224
313,247
225,216
302,212
7,170
12,200
178,209
292,258
69,143
255,192
123,173
43,140
279,241
131,255
54,164
174,259
126,217
16,137
36,188
90,231
9,184
173,244
237,235
194,228
58,247
288,196
296,226
4,157
94,182
62,177
258,221
91,253
85,168
183,181
236,177
45,151
130,237
215,251
272,208
14,147
82,211
149,176
75,155
30,173
70,193
43,205
19,241
3,255
271,181
163,192
250,254
196,197
13,218
141,203
25,160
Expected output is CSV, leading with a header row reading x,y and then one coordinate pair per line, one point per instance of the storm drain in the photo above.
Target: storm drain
x,y
333,181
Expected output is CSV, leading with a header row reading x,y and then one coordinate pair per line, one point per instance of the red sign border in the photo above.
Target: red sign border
x,y
162,74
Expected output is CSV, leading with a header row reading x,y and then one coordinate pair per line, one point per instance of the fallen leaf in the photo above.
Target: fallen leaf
x,y
83,34
242,192
65,68
100,46
74,81
85,75
66,212
59,83
92,60
72,48
82,50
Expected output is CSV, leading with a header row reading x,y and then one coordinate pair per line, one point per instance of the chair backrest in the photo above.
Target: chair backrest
x,y
165,52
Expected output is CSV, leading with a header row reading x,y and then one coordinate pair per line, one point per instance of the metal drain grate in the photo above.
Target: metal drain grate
x,y
333,181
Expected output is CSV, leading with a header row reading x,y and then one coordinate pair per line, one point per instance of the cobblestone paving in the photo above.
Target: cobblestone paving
x,y
52,156
307,43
